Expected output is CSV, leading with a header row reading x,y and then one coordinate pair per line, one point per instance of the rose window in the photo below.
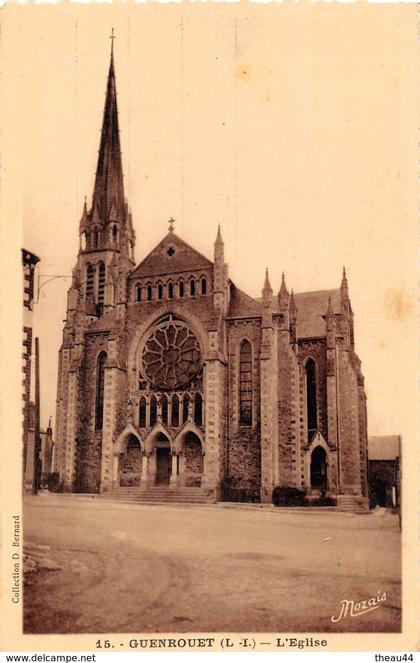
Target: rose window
x,y
171,356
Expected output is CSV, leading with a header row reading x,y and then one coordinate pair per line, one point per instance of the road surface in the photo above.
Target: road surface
x,y
153,569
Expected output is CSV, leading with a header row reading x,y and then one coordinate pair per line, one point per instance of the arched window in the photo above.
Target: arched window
x,y
164,407
142,413
83,241
95,239
153,410
198,410
138,293
149,293
170,290
203,286
101,283
114,234
311,397
100,389
160,291
90,278
181,288
185,408
175,411
192,288
245,384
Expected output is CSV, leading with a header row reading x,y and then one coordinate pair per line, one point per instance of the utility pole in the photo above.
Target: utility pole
x,y
37,438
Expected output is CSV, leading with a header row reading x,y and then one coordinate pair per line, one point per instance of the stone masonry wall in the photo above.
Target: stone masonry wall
x,y
349,444
289,456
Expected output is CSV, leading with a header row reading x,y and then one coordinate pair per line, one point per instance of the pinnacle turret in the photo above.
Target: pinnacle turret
x,y
292,307
283,294
267,291
329,318
344,285
219,240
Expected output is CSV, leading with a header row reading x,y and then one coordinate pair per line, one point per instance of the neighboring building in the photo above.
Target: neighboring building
x,y
29,262
171,375
384,453
46,446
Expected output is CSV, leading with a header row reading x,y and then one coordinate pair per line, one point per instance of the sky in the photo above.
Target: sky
x,y
292,126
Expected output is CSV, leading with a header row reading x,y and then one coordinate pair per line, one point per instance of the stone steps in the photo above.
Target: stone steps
x,y
353,503
163,495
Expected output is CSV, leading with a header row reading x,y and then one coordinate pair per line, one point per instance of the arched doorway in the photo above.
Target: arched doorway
x,y
319,469
193,459
131,463
163,460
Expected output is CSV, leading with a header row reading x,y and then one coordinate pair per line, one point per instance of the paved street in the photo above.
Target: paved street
x,y
137,568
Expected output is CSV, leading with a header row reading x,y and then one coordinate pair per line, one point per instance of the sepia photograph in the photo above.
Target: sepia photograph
x,y
218,265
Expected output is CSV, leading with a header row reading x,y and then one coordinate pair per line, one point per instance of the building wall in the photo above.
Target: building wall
x,y
349,440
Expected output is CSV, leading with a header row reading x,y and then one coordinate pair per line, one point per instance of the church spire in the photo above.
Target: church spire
x,y
109,188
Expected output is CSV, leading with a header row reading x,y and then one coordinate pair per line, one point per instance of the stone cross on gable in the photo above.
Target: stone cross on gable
x,y
171,224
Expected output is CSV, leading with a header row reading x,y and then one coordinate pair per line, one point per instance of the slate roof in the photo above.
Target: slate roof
x,y
160,262
311,311
383,447
242,305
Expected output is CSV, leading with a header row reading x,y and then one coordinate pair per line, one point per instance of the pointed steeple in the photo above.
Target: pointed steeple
x,y
283,294
109,185
219,240
267,291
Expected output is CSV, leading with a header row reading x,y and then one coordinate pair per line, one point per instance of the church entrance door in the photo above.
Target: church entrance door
x,y
163,465
319,469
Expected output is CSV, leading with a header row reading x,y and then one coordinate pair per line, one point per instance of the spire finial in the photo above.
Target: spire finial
x,y
171,224
112,37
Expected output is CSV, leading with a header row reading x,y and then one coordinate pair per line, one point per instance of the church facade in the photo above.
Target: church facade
x,y
171,377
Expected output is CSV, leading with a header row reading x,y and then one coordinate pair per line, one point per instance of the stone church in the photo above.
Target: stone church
x,y
171,379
